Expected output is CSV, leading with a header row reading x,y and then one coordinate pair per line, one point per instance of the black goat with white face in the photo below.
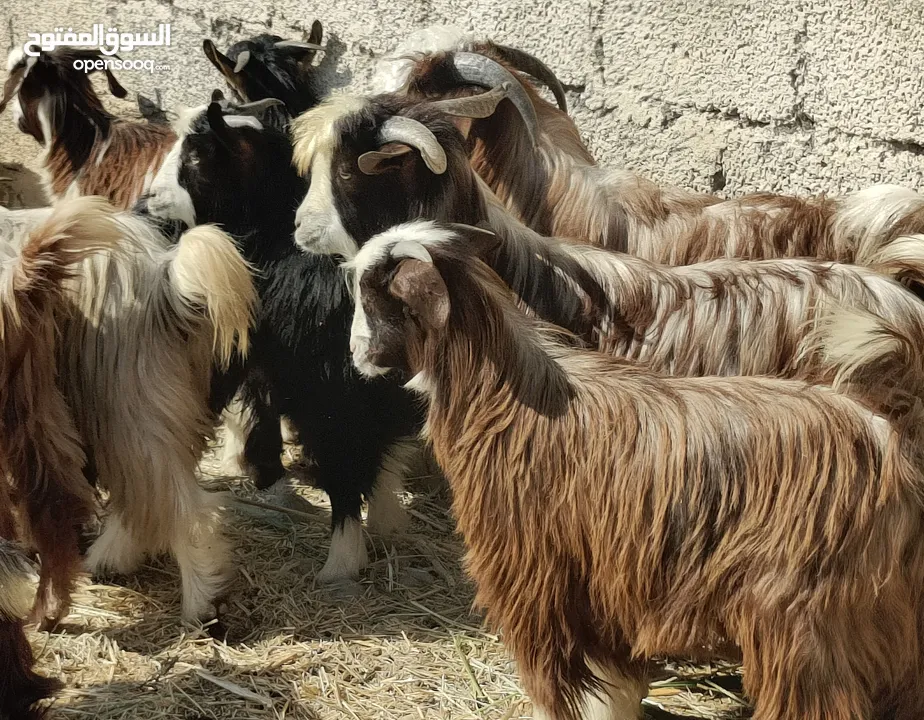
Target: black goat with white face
x,y
268,66
234,171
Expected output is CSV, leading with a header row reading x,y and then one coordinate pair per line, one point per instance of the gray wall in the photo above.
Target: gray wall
x,y
731,95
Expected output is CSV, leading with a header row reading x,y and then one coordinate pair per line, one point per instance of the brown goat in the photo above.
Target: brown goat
x,y
172,310
612,514
541,171
40,452
40,449
86,149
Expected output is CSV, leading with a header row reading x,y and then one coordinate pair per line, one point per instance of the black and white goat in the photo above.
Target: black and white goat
x,y
268,66
86,150
236,172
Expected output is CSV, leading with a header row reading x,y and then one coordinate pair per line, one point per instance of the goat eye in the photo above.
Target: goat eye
x,y
344,175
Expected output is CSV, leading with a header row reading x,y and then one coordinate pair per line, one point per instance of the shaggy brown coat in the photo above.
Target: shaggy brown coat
x,y
41,458
612,514
141,329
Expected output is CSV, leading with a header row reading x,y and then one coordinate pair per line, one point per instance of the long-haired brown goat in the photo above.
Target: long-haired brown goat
x,y
140,330
40,451
724,317
530,153
85,149
612,514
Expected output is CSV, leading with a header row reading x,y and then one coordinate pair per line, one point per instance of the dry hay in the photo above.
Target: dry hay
x,y
408,647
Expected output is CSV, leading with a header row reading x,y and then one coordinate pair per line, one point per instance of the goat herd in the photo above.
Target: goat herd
x,y
672,425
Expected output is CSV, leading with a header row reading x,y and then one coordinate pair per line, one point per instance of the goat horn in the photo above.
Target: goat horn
x,y
534,67
411,249
242,60
473,106
257,107
487,73
411,132
297,45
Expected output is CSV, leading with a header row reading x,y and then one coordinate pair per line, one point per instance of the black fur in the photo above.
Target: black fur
x,y
300,363
271,72
534,267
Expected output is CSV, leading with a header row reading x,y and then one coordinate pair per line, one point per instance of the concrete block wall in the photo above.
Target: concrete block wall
x,y
724,95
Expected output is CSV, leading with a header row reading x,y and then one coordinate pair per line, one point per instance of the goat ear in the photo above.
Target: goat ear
x,y
316,32
388,157
221,61
11,86
114,86
218,125
420,287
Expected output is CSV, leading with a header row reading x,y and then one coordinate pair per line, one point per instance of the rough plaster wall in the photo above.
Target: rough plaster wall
x,y
724,95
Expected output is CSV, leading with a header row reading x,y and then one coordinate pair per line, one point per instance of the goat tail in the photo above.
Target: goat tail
x,y
17,583
884,363
75,230
208,271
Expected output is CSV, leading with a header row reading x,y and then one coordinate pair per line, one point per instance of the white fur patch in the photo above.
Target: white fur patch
x,y
115,550
318,227
347,556
168,199
391,72
421,383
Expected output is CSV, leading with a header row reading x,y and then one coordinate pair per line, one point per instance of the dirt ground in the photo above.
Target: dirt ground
x,y
407,646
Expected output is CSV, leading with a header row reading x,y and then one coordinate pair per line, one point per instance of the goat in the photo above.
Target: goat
x,y
537,168
40,450
612,514
20,686
237,172
724,317
139,330
85,149
267,66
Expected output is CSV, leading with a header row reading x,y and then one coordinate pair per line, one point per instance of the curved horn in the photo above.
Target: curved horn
x,y
242,60
473,106
534,67
411,132
297,45
411,249
487,73
258,107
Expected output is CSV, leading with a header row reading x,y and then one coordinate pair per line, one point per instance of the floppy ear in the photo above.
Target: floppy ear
x,y
388,157
11,86
114,87
419,286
